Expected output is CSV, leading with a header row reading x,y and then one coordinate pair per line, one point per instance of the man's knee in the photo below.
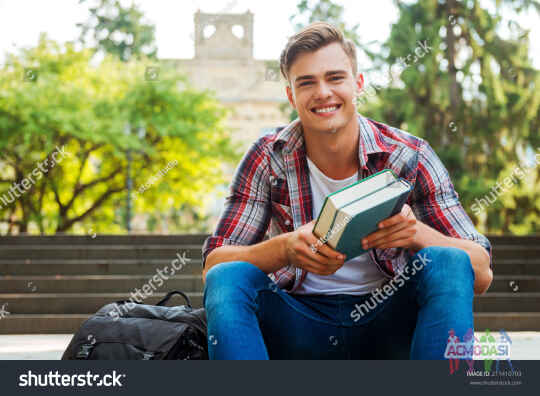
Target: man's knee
x,y
233,273
445,268
229,280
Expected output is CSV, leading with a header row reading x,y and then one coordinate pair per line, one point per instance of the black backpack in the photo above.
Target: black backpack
x,y
120,331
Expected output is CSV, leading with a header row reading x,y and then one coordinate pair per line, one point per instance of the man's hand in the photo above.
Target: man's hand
x,y
400,230
304,250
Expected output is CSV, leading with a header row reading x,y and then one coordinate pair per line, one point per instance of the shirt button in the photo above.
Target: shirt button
x,y
287,222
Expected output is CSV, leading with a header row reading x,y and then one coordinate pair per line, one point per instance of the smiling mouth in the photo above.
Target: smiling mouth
x,y
327,110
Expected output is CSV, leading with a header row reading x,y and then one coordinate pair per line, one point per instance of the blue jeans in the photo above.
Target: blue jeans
x,y
249,317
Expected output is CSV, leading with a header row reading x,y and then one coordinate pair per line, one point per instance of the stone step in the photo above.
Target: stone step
x,y
42,323
92,251
101,239
76,303
97,283
154,251
507,302
85,240
187,283
516,252
515,284
516,266
514,240
70,323
61,266
97,266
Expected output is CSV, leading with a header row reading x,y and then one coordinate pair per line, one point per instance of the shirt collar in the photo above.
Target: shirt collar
x,y
371,139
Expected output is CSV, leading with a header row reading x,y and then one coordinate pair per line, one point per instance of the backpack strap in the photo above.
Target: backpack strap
x,y
170,294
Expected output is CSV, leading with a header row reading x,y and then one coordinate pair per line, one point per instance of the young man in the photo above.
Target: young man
x,y
293,297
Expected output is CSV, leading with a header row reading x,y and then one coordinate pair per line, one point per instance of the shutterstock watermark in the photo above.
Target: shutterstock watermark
x,y
389,288
321,241
498,189
55,379
3,312
155,178
19,188
147,290
380,80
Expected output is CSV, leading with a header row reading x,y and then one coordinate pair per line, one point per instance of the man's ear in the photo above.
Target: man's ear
x,y
290,96
359,82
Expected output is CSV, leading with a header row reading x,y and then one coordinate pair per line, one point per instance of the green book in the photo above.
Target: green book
x,y
350,214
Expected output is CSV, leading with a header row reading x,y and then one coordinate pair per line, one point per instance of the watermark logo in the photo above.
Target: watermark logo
x,y
378,80
471,348
513,286
3,311
388,289
212,340
151,73
30,74
147,290
155,178
271,73
504,185
335,229
17,189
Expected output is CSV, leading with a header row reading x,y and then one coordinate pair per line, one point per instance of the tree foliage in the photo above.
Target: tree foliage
x,y
118,30
85,108
474,97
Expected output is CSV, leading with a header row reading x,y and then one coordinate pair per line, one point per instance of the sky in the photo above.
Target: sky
x,y
21,22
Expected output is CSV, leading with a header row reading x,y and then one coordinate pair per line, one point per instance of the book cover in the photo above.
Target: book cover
x,y
343,227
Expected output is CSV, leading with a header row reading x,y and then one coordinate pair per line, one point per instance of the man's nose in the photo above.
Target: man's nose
x,y
323,91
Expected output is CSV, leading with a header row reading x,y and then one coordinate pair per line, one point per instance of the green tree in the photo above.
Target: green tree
x,y
474,95
118,30
52,96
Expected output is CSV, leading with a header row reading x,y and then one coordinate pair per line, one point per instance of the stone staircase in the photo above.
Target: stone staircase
x,y
51,284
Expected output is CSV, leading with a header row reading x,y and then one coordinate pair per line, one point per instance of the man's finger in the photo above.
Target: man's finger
x,y
405,213
311,265
320,258
327,251
376,236
321,261
390,239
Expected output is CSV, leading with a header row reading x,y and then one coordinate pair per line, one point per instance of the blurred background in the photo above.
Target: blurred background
x,y
153,103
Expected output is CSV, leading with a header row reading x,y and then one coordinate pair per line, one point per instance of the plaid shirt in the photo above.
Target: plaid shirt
x,y
271,194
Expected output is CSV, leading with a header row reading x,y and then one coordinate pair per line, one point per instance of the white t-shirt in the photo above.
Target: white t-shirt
x,y
359,275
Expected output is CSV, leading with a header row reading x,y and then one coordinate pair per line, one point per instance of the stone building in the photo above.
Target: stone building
x,y
252,88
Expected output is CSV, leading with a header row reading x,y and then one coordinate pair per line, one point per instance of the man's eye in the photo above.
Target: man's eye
x,y
304,83
337,78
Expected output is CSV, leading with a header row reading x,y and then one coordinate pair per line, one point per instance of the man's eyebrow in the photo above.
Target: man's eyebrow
x,y
305,77
328,73
332,72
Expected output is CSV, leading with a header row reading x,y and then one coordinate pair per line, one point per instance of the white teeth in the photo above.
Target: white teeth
x,y
326,109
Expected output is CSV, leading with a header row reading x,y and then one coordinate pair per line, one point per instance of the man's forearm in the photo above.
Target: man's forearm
x,y
268,255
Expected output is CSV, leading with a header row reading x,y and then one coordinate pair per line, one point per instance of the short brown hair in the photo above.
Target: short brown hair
x,y
312,38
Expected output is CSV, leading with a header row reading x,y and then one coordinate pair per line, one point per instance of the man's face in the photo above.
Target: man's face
x,y
322,89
